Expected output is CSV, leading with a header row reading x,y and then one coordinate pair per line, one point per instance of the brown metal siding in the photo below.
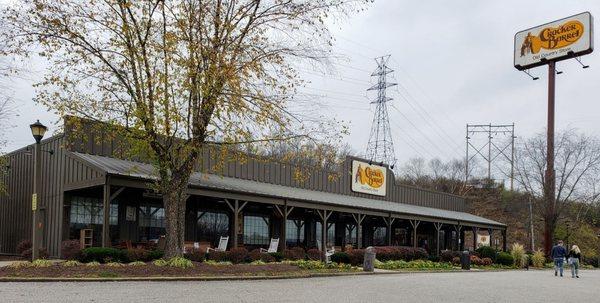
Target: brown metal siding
x,y
282,174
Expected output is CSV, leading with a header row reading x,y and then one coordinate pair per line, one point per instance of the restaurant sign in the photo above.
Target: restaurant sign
x,y
558,40
368,178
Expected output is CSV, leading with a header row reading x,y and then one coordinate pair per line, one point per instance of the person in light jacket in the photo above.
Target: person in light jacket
x,y
558,254
574,257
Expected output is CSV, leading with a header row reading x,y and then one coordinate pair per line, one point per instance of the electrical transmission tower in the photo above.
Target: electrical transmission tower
x,y
494,146
381,147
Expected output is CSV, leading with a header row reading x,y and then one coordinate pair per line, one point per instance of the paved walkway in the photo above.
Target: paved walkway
x,y
507,286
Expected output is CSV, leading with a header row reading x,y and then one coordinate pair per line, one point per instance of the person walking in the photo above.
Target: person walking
x,y
558,254
574,257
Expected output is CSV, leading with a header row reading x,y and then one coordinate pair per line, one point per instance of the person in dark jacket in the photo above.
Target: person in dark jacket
x,y
574,257
558,254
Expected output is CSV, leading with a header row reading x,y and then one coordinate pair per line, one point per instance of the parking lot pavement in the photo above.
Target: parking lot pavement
x,y
505,286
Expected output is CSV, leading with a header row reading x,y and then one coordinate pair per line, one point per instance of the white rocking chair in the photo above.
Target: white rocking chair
x,y
272,247
222,245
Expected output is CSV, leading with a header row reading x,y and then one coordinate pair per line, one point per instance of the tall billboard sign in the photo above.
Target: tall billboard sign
x,y
368,178
558,40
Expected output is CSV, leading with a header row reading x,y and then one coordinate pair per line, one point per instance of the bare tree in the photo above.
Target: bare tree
x,y
177,74
577,160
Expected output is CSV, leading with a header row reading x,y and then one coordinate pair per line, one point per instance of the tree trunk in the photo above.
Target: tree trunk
x,y
549,226
174,201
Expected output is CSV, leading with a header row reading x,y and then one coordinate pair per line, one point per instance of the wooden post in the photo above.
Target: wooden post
x,y
415,225
236,209
438,227
358,218
106,213
389,221
490,233
458,228
504,239
325,214
475,230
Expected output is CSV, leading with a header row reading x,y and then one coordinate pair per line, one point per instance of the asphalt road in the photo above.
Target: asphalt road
x,y
509,286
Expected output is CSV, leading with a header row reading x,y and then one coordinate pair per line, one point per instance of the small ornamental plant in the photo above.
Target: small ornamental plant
x,y
137,263
160,262
20,264
92,264
71,263
41,263
180,262
538,259
114,264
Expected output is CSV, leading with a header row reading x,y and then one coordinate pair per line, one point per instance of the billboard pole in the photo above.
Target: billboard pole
x,y
550,178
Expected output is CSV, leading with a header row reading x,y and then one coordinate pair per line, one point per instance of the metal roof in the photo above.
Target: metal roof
x,y
119,167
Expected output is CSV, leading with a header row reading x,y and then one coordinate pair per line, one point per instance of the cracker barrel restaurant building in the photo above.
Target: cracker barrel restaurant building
x,y
91,191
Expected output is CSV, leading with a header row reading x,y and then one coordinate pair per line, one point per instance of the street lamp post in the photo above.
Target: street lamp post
x,y
37,130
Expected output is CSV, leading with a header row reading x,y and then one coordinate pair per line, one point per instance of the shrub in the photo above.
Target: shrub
x,y
314,254
70,249
267,258
180,262
114,264
137,263
340,257
356,256
449,255
296,253
538,259
517,251
218,256
487,252
42,253
41,263
195,255
257,262
20,264
487,261
137,254
406,253
257,255
475,260
504,258
158,254
71,263
456,260
102,255
278,256
592,261
238,255
160,262
23,246
434,258
93,264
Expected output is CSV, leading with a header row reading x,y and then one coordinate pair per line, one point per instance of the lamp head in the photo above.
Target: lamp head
x,y
38,130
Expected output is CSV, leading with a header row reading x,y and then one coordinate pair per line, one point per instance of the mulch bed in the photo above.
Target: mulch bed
x,y
151,270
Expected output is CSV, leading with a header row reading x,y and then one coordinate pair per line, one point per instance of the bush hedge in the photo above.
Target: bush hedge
x,y
102,255
394,253
217,256
487,252
238,255
356,256
340,257
194,255
449,255
314,254
294,254
137,254
504,258
70,249
278,256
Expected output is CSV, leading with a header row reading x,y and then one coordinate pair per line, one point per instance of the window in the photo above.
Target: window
x,y
379,236
151,222
294,232
330,233
211,226
88,212
256,230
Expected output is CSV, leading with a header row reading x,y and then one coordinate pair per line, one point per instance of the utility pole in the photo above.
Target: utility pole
x,y
380,148
493,147
549,181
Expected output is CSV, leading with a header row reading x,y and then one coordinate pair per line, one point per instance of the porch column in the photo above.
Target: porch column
x,y
358,218
438,227
415,225
107,198
236,209
106,214
490,233
458,229
504,239
475,230
389,221
324,215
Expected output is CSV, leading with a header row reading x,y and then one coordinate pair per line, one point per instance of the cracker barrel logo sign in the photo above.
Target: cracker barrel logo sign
x,y
553,38
368,179
556,40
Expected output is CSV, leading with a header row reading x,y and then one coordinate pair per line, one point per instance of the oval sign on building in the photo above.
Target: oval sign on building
x,y
368,179
562,39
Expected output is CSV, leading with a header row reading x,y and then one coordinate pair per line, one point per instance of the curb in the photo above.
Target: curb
x,y
232,278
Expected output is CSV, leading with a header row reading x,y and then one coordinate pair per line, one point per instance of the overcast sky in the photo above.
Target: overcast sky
x,y
453,61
